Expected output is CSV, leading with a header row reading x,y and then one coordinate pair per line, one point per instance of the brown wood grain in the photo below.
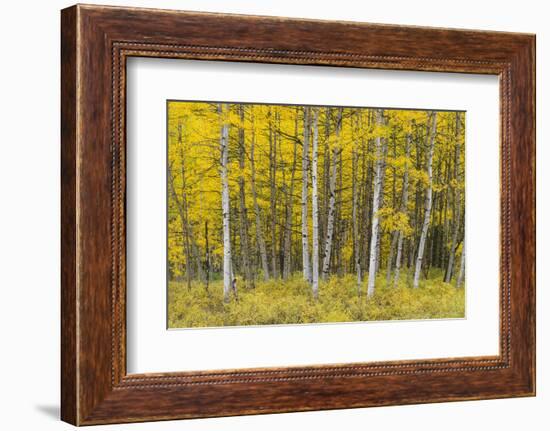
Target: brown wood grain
x,y
96,41
68,217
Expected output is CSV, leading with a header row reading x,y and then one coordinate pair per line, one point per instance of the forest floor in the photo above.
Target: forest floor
x,y
291,302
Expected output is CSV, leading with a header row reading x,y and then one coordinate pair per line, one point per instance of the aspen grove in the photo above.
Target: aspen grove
x,y
304,214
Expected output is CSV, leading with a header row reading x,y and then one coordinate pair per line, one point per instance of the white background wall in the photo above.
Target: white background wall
x,y
29,215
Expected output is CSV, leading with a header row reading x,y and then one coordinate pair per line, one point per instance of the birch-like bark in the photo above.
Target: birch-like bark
x,y
461,272
305,189
428,202
224,157
259,232
315,205
332,199
456,207
382,187
330,217
325,178
404,202
373,258
366,198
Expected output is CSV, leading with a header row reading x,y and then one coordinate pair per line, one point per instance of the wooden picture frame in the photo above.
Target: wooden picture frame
x,y
95,43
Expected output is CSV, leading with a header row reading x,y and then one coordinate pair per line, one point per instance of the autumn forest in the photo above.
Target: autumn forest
x,y
281,214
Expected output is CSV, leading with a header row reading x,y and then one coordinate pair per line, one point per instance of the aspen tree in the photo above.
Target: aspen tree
x,y
305,196
380,151
224,157
315,204
430,138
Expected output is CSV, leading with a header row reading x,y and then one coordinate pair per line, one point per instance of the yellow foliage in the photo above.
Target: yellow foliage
x,y
392,220
290,302
193,159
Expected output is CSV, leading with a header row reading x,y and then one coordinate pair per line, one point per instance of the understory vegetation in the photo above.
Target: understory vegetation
x,y
290,302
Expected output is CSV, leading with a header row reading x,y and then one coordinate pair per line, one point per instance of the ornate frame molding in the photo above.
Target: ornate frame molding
x,y
96,41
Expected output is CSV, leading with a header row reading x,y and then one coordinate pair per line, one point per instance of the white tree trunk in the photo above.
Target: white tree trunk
x,y
428,202
224,150
461,272
380,142
332,199
305,190
330,218
315,206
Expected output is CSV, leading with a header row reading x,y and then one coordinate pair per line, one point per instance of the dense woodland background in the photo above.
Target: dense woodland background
x,y
293,214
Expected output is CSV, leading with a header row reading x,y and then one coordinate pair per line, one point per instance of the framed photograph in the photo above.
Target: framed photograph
x,y
265,215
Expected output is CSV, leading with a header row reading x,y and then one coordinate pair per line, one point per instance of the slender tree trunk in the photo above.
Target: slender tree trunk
x,y
284,186
196,255
227,260
456,207
380,151
404,204
395,233
445,224
331,215
315,205
287,247
428,203
273,196
381,204
325,177
207,256
305,170
243,212
427,262
398,258
259,231
187,225
461,272
332,199
182,209
340,225
417,207
366,212
354,218
184,228
389,263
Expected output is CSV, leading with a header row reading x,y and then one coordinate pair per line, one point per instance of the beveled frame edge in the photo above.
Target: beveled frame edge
x,y
96,41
